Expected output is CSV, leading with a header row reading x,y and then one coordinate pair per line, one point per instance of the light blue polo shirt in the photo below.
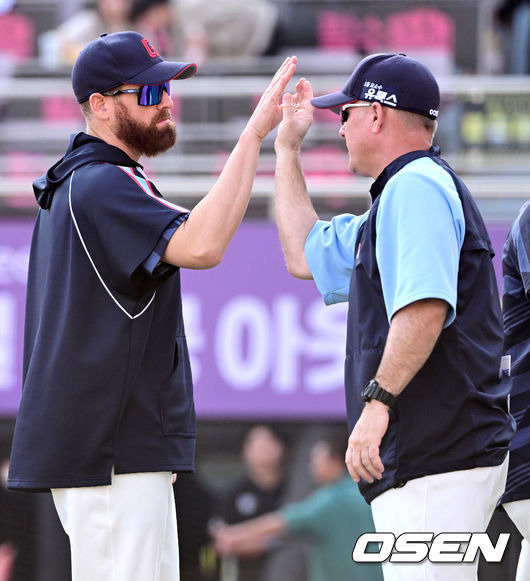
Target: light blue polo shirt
x,y
420,230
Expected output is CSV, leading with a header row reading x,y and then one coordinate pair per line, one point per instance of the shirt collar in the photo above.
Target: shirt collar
x,y
394,166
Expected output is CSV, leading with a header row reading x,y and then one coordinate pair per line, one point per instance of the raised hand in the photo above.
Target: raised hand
x,y
268,112
297,116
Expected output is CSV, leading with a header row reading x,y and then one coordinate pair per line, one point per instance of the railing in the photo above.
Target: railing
x,y
499,177
242,86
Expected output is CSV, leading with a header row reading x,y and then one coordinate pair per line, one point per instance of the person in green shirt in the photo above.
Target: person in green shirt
x,y
332,519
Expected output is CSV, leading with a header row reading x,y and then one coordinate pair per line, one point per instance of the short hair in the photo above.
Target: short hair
x,y
275,431
85,108
337,444
416,121
140,7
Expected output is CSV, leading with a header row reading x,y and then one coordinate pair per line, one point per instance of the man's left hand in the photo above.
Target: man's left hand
x,y
362,457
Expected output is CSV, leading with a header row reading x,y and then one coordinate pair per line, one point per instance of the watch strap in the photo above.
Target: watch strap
x,y
373,390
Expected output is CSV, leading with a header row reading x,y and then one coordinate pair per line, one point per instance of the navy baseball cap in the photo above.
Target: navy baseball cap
x,y
122,58
394,80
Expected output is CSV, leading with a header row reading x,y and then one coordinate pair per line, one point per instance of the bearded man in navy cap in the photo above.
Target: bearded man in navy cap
x,y
107,411
426,400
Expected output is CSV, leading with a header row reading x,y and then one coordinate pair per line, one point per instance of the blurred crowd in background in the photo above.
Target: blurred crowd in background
x,y
198,30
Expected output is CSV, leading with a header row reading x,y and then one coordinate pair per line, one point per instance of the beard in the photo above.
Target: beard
x,y
146,139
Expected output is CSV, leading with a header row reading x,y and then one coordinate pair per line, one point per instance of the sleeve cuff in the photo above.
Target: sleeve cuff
x,y
153,264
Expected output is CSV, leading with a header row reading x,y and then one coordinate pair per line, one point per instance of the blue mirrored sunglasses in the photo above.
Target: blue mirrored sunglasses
x,y
147,95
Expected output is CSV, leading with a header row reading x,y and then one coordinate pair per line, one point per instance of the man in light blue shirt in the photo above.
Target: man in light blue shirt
x,y
427,408
409,211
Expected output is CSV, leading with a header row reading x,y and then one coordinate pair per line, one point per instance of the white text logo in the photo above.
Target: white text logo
x,y
442,548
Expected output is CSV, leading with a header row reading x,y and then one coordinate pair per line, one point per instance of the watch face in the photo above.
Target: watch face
x,y
369,388
372,390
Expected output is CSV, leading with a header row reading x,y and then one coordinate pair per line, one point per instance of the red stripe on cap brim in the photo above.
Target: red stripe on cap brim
x,y
162,72
188,71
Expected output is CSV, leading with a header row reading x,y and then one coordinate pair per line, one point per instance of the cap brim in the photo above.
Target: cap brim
x,y
162,72
332,100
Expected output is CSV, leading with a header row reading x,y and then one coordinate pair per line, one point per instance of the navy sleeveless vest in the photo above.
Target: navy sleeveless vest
x,y
453,415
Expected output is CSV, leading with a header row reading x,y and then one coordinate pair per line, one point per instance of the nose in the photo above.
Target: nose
x,y
341,131
166,101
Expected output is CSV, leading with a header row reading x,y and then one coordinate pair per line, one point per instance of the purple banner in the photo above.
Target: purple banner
x,y
498,233
262,343
15,237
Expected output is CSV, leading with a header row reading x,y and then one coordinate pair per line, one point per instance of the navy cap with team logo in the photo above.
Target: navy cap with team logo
x,y
394,80
122,58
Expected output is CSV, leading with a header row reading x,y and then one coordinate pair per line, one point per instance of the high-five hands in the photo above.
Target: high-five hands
x,y
297,116
268,113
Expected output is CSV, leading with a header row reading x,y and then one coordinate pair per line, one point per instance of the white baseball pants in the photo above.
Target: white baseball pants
x,y
123,532
460,501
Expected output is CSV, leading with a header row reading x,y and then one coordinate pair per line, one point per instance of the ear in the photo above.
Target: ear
x,y
99,105
378,117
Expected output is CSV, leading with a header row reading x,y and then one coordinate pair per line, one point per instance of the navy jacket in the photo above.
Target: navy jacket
x,y
453,414
107,379
516,314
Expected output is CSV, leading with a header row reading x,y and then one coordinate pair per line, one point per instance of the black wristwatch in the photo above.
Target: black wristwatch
x,y
372,390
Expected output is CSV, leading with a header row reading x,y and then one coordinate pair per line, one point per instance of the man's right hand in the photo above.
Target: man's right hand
x,y
293,210
267,113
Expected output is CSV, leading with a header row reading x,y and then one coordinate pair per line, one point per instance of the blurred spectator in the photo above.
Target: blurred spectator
x,y
7,560
62,45
156,20
259,491
17,39
8,552
332,518
231,28
17,33
514,15
17,531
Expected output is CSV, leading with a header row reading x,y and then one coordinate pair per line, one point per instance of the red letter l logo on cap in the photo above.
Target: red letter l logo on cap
x,y
151,51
